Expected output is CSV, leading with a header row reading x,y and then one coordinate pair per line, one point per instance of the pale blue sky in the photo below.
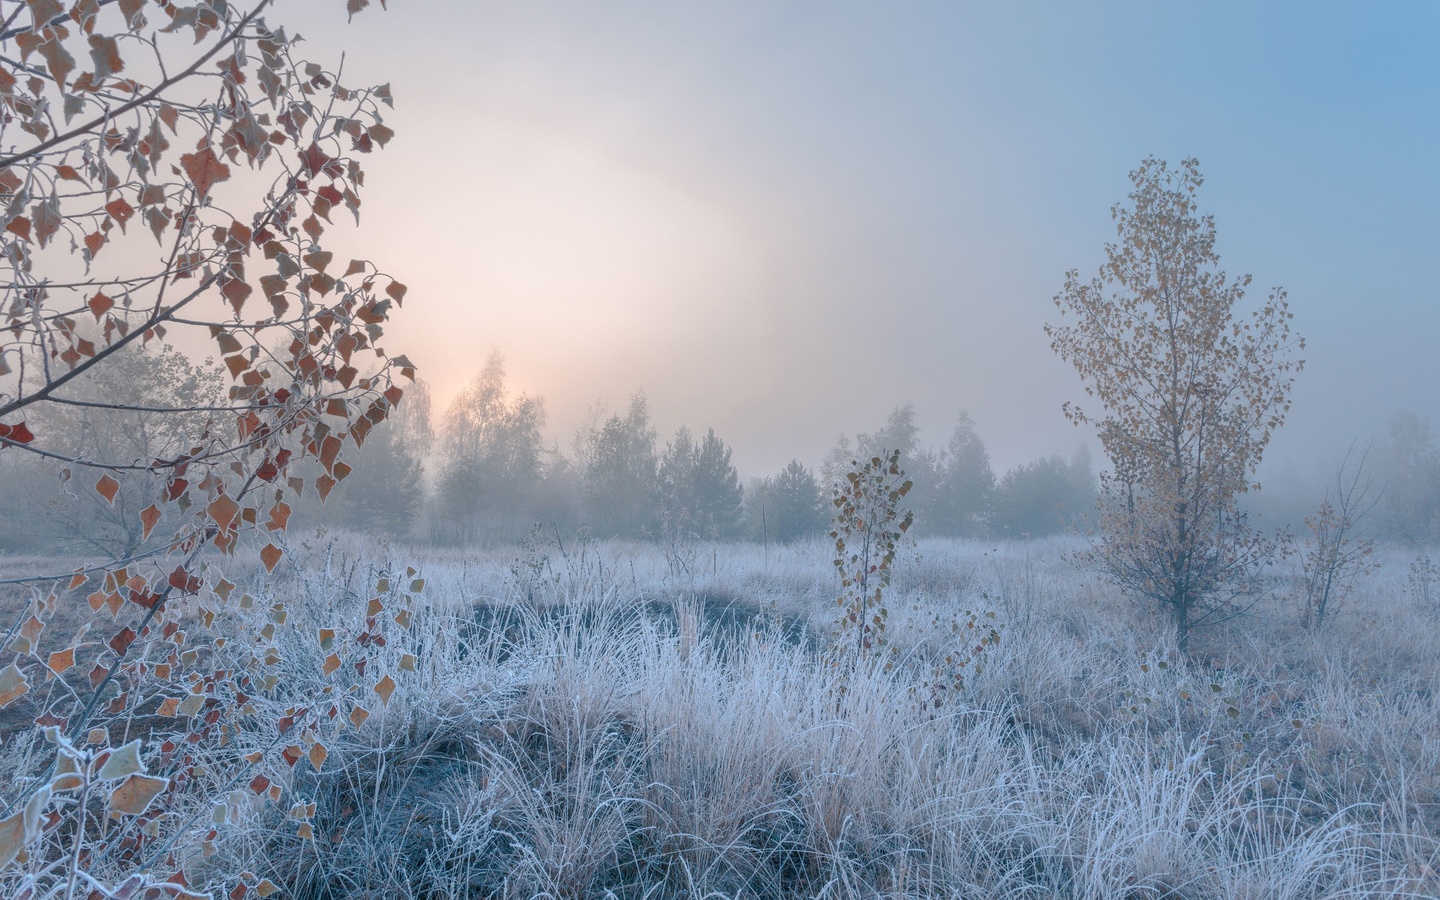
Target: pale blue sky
x,y
782,219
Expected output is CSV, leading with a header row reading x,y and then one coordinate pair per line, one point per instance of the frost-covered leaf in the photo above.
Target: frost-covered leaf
x,y
134,794
105,53
100,305
46,219
149,516
19,829
385,687
12,685
204,169
223,511
122,762
61,660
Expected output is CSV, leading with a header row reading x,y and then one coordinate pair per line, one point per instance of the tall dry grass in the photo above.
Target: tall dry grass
x,y
601,722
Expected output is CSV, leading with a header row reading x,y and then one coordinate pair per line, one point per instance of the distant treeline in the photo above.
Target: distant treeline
x,y
493,476
485,474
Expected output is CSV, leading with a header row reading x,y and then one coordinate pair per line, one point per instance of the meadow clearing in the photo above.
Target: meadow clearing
x,y
590,719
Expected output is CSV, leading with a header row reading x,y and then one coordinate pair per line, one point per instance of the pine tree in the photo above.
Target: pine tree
x,y
792,505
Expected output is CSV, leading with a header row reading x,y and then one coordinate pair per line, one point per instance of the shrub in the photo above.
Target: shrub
x,y
867,529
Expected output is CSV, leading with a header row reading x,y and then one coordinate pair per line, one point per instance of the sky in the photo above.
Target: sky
x,y
783,219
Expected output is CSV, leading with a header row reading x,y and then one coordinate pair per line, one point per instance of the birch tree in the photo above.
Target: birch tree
x,y
1188,391
203,127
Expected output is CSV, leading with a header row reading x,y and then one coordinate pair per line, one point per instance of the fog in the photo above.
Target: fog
x,y
781,221
734,539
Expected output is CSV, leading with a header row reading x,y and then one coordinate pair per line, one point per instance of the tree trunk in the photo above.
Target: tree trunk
x,y
1181,602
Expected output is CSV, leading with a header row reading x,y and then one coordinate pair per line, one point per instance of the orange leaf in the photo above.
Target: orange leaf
x,y
318,260
270,556
100,305
107,487
12,685
31,630
134,794
148,517
122,640
120,211
62,660
314,159
385,687
204,169
106,55
222,509
330,451
16,433
332,662
279,516
236,291
16,831
358,715
317,755
182,580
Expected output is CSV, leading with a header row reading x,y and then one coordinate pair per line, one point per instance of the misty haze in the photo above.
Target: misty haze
x,y
850,451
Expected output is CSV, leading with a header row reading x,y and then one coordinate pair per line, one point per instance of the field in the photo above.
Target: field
x,y
638,721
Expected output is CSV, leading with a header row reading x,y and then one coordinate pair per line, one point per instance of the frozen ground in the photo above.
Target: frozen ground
x,y
644,721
